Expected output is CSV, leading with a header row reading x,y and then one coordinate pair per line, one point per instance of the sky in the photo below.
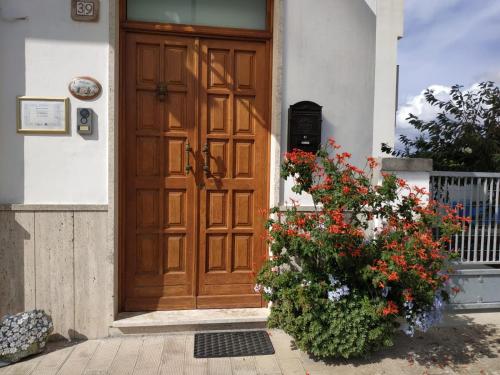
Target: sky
x,y
445,42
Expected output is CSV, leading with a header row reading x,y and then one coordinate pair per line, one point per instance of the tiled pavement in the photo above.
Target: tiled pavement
x,y
471,349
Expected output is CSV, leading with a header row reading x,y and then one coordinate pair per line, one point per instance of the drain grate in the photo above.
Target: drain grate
x,y
232,344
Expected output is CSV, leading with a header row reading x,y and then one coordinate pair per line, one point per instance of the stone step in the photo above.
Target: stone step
x,y
184,321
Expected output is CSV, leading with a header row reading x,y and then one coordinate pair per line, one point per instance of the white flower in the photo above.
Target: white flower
x,y
333,280
338,293
305,283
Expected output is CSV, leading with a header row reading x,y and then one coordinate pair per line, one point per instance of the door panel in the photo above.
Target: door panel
x,y
233,126
161,198
194,239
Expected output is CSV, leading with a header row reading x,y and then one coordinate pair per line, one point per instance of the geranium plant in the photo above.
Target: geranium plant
x,y
340,277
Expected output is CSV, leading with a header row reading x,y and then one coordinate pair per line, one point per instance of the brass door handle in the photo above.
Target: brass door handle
x,y
206,165
188,150
161,91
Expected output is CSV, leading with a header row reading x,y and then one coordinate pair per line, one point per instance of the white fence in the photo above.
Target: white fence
x,y
478,193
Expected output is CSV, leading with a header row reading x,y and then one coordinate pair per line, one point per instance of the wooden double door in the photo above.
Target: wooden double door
x,y
195,157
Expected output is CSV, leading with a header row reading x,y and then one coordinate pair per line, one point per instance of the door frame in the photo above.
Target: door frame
x,y
265,36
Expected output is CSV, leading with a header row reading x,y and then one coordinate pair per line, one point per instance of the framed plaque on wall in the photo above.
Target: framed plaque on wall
x,y
43,115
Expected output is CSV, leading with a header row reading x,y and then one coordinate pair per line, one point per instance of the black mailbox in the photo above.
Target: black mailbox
x,y
304,126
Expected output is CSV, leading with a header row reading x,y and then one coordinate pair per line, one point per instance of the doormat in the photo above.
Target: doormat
x,y
232,344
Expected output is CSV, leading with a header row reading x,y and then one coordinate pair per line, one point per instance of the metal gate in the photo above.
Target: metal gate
x,y
477,197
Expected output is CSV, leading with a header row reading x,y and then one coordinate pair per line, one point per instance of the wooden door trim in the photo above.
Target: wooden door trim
x,y
186,31
121,216
196,31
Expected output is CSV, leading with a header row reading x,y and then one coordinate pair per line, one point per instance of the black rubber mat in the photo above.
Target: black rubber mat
x,y
232,344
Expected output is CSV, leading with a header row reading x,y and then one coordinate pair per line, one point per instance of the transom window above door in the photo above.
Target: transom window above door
x,y
241,14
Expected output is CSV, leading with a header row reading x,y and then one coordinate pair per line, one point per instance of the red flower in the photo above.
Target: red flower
x,y
393,277
372,162
334,229
356,253
391,308
420,191
306,235
331,142
407,294
346,189
276,227
362,190
399,260
401,182
341,158
356,169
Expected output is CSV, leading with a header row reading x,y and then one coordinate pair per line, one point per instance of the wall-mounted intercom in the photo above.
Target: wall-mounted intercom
x,y
304,126
84,117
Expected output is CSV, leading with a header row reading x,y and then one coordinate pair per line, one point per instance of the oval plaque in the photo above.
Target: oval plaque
x,y
85,88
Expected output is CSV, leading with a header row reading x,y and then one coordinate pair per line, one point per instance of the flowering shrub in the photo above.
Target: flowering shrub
x,y
338,278
23,334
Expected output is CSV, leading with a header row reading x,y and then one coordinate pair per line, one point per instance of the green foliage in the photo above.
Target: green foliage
x,y
464,136
348,328
339,277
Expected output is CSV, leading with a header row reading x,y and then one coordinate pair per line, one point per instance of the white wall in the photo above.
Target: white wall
x,y
329,58
333,54
389,30
38,58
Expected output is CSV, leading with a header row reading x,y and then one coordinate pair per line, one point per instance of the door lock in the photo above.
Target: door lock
x,y
161,91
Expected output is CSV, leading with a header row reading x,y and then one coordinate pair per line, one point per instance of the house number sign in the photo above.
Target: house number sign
x,y
85,10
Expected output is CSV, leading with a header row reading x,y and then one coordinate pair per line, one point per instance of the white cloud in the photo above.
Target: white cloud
x,y
418,106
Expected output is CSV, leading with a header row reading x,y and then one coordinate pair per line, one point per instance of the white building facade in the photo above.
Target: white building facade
x,y
94,225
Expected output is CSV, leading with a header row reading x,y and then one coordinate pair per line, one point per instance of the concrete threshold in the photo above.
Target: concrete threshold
x,y
182,321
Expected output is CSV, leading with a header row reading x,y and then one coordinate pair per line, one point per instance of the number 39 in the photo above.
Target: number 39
x,y
84,9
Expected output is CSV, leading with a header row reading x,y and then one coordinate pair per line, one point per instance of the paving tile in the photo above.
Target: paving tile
x,y
103,357
194,366
448,351
283,345
291,366
173,358
22,368
243,366
150,356
50,363
126,357
79,358
219,366
267,364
